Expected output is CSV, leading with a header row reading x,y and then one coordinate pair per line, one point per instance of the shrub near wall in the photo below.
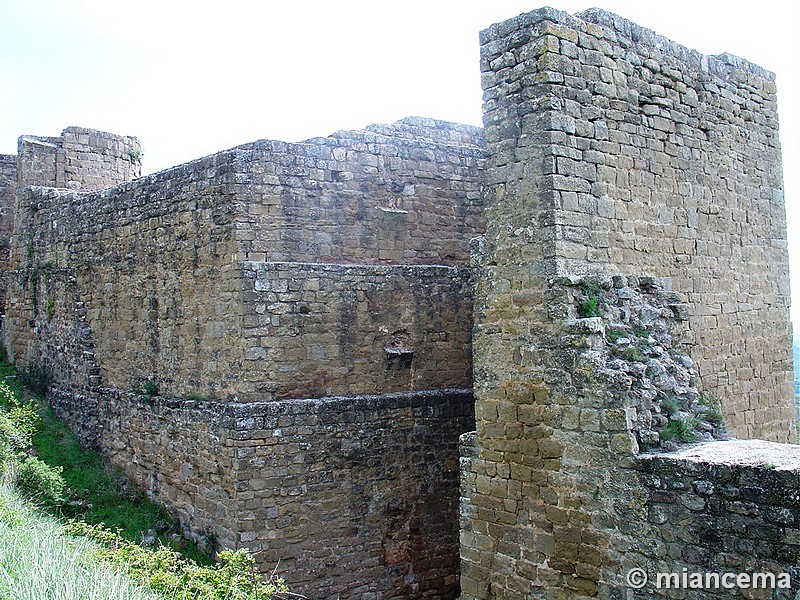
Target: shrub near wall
x,y
34,478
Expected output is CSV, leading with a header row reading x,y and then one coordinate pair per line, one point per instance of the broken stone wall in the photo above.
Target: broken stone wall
x,y
80,159
647,158
550,492
616,161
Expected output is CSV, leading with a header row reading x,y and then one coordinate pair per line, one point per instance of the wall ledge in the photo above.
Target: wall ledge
x,y
744,453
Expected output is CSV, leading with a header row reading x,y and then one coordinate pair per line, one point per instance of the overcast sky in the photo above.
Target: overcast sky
x,y
191,78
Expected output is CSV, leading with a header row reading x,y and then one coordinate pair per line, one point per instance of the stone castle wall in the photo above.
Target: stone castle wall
x,y
726,507
192,262
175,281
641,157
322,329
333,268
621,166
151,261
277,341
8,185
406,193
80,159
351,497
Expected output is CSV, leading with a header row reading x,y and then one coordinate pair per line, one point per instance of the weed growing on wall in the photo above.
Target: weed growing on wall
x,y
51,308
659,380
589,308
681,430
591,301
149,387
712,410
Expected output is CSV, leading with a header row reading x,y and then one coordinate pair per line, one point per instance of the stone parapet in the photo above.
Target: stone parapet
x,y
80,159
348,497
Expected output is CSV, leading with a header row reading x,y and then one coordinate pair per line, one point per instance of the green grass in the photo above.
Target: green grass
x,y
234,577
39,562
97,492
98,554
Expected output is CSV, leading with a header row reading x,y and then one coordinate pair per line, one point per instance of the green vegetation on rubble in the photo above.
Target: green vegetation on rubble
x,y
589,308
591,303
108,520
680,429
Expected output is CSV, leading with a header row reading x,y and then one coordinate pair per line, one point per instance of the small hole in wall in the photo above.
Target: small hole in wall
x,y
399,358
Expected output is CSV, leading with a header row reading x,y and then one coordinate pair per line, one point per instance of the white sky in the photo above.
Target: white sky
x,y
191,78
